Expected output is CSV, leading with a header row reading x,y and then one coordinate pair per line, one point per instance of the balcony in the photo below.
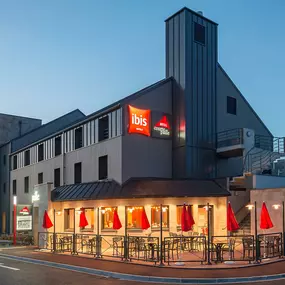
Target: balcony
x,y
230,143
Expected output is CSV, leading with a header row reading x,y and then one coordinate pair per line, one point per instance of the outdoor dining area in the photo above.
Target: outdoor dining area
x,y
129,235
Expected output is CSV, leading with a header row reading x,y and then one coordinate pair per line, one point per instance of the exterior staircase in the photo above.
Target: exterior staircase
x,y
245,228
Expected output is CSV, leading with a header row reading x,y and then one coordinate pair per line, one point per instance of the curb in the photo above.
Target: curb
x,y
140,278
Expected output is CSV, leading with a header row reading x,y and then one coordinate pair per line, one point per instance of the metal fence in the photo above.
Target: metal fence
x,y
184,248
111,246
232,248
45,241
143,248
269,245
86,244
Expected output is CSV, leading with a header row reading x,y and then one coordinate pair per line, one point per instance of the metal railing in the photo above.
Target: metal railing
x,y
229,138
174,249
232,248
269,245
184,248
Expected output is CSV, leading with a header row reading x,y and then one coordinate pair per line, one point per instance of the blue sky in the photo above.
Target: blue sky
x,y
59,55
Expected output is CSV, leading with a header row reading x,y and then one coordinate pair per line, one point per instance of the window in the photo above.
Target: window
x,y
4,188
4,159
103,167
89,214
103,128
69,219
202,224
107,217
78,138
231,105
134,217
56,181
27,184
40,178
77,173
14,187
155,217
15,166
179,214
27,158
40,152
199,33
57,146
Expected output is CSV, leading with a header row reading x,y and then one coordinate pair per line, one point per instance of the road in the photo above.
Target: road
x,y
20,273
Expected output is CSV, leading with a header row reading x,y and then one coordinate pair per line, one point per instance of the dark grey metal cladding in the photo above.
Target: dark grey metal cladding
x,y
193,66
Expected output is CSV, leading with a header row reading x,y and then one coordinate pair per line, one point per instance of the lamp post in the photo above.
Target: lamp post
x,y
15,219
250,207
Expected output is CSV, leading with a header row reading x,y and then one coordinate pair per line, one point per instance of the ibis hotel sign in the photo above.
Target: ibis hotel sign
x,y
149,123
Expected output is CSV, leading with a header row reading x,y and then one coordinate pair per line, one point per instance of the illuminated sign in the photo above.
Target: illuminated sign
x,y
25,211
162,126
35,197
139,121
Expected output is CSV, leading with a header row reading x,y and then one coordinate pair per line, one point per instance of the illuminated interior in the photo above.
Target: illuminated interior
x,y
134,217
155,217
107,216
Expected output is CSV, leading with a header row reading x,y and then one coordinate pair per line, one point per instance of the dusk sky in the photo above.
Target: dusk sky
x,y
59,55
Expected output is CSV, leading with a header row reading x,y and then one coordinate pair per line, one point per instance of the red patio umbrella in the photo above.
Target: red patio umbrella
x,y
145,222
232,224
47,223
185,220
82,219
116,221
265,220
190,218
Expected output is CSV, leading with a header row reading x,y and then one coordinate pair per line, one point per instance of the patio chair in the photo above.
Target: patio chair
x,y
247,248
229,248
118,246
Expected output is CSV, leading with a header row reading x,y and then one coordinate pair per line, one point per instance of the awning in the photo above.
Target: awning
x,y
139,188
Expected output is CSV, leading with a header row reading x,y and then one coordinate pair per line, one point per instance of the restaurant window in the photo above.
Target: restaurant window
x,y
40,178
199,33
78,138
107,217
202,222
14,187
77,173
103,128
27,184
56,180
15,166
89,214
103,167
134,217
27,158
57,146
69,219
179,213
40,152
155,217
231,105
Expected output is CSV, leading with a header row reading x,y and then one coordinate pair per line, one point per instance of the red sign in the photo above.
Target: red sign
x,y
25,211
139,121
162,126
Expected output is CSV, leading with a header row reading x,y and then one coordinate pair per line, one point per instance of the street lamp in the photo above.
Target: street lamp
x,y
15,219
250,207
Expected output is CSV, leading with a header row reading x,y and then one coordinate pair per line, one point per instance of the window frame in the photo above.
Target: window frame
x,y
91,229
57,146
41,147
69,229
75,175
14,187
41,174
27,157
151,218
132,228
26,184
100,159
54,177
78,142
15,159
103,215
196,35
231,103
101,132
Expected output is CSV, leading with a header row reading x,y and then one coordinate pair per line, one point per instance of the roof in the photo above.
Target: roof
x,y
139,188
191,11
243,98
46,130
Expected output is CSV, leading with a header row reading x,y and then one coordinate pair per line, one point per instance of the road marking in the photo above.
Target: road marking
x,y
8,267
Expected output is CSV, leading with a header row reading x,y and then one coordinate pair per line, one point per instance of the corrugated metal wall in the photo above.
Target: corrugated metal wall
x,y
193,65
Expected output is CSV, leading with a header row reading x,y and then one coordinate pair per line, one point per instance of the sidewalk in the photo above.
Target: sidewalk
x,y
274,268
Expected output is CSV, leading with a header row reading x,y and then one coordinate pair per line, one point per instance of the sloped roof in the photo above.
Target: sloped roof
x,y
139,188
47,130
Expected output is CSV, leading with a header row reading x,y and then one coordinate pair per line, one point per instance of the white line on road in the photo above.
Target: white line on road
x,y
8,267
